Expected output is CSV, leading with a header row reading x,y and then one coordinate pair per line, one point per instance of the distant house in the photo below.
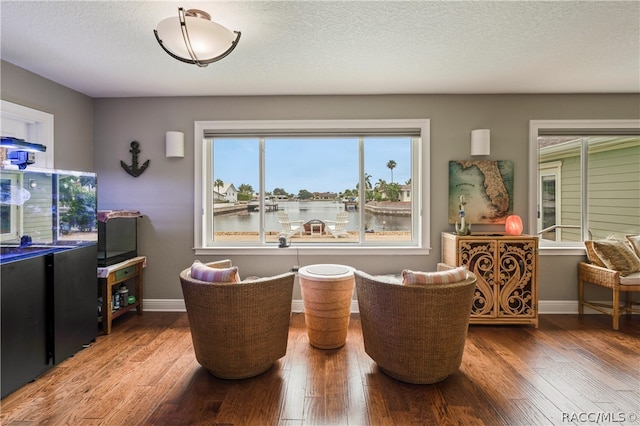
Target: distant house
x,y
325,195
405,192
404,195
226,193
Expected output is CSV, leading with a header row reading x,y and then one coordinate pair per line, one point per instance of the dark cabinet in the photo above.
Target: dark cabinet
x,y
74,301
48,312
24,323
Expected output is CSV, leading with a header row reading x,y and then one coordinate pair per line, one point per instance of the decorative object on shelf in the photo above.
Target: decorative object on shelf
x,y
487,186
513,225
174,144
462,228
133,169
480,142
193,38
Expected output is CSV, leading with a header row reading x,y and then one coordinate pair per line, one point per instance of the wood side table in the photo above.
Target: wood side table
x,y
111,276
326,294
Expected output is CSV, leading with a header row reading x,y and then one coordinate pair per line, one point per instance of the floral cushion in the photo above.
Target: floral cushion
x,y
617,255
441,277
202,272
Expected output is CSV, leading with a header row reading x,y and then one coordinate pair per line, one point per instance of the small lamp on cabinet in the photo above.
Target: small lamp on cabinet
x,y
513,225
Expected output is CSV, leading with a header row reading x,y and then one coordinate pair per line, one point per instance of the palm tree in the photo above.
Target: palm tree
x,y
367,181
245,188
218,184
391,165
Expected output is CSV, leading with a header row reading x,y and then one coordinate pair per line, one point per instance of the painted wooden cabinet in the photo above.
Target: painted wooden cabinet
x,y
507,271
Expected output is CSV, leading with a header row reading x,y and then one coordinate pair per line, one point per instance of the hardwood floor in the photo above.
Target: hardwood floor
x,y
571,370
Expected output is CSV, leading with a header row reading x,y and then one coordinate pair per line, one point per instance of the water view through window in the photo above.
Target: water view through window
x,y
312,189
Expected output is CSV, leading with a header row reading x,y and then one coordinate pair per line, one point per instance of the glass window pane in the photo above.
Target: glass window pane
x,y
548,207
308,180
389,204
609,191
613,186
235,188
560,188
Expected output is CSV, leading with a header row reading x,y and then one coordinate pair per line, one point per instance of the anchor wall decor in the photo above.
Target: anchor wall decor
x,y
133,169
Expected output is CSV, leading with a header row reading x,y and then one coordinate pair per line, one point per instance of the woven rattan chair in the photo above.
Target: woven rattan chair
x,y
238,330
415,334
596,273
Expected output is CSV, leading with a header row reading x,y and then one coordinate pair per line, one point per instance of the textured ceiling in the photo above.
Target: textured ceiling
x,y
107,48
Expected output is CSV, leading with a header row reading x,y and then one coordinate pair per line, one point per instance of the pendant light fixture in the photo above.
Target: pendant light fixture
x,y
192,37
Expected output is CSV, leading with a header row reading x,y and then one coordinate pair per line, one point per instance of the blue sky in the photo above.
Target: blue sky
x,y
322,165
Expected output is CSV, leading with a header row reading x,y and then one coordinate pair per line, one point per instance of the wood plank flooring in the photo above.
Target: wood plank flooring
x,y
571,370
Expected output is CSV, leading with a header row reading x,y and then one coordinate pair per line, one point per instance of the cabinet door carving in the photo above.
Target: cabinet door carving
x,y
506,271
479,257
516,279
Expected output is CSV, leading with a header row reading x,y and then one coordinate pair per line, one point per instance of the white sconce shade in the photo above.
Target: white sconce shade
x,y
480,142
174,144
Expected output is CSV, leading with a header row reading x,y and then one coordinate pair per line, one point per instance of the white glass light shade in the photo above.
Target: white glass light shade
x,y
201,41
174,144
480,142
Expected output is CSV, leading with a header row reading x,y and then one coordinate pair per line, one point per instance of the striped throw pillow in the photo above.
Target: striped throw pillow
x,y
202,272
617,255
441,277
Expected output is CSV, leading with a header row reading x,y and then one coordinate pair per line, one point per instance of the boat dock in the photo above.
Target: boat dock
x,y
350,205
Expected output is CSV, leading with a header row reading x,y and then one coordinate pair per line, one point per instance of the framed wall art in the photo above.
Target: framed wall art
x,y
487,186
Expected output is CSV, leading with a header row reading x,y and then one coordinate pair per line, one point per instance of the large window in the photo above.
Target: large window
x,y
339,184
587,180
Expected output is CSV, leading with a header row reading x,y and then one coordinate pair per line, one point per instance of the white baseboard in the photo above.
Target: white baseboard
x,y
544,306
163,305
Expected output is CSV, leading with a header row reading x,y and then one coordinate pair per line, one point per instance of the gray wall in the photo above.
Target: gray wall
x,y
72,111
164,193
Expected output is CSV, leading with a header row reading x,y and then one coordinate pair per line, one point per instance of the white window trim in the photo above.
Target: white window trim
x,y
553,168
535,126
201,152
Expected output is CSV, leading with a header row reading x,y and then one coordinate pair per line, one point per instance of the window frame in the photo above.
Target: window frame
x,y
535,126
15,219
551,169
203,173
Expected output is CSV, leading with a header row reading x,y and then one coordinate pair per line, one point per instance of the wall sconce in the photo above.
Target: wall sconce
x,y
513,225
480,142
192,37
174,144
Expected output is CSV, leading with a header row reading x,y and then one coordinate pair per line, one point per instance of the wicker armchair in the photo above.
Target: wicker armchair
x,y
238,330
596,273
415,334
